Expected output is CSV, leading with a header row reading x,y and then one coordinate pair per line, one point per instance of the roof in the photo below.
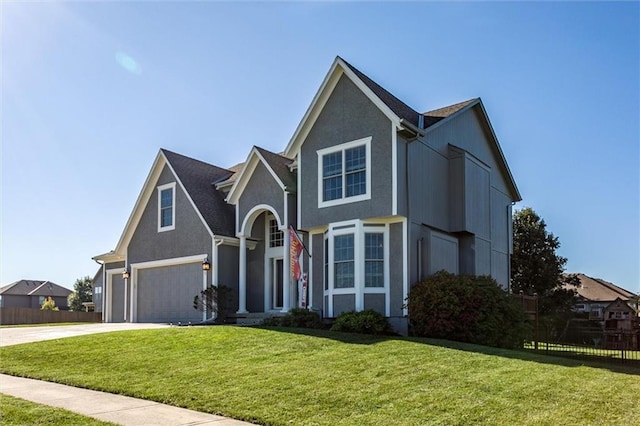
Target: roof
x,y
398,107
280,166
35,288
599,290
433,116
198,180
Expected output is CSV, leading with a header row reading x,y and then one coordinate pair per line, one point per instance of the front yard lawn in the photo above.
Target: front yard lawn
x,y
16,411
277,377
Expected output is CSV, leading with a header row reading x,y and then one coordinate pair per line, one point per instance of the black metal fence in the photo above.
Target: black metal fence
x,y
581,338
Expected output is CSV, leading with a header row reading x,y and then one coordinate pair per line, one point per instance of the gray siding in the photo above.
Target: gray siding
x,y
261,189
348,115
16,301
343,303
117,299
317,285
375,302
457,185
396,268
98,283
255,268
228,270
190,237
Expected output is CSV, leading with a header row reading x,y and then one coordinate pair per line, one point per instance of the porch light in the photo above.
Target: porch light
x,y
125,274
205,264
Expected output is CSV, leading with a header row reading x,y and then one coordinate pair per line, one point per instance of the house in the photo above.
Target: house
x,y
32,294
380,194
595,294
621,326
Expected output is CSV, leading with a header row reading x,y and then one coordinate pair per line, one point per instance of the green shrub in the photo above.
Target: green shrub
x,y
364,322
466,308
296,317
49,305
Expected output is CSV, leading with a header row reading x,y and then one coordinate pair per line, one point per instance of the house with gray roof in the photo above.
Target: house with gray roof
x,y
32,294
380,194
595,294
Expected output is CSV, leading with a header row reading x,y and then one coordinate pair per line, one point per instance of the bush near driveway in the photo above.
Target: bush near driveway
x,y
466,308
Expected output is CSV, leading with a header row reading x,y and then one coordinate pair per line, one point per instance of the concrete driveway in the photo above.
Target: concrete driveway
x,y
16,335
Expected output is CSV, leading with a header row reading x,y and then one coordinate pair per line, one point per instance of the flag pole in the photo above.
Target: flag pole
x,y
300,239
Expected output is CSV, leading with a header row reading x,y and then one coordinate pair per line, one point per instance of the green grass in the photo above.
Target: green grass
x,y
16,411
278,377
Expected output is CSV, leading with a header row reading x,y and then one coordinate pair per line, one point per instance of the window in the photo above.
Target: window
x,y
356,262
373,260
343,261
344,173
276,236
166,207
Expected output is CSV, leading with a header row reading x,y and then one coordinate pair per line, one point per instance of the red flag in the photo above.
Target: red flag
x,y
295,250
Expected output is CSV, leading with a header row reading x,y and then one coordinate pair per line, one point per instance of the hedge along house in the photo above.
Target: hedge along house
x,y
382,195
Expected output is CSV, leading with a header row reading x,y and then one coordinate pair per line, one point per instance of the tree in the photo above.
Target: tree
x,y
536,267
217,301
82,292
49,305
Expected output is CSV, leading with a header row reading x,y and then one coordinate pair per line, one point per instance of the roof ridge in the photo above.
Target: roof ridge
x,y
400,108
461,105
165,151
612,286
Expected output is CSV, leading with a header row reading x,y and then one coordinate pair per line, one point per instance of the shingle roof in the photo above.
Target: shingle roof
x,y
198,178
432,117
398,107
280,165
35,288
599,290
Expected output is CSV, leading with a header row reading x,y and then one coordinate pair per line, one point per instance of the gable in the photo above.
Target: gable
x,y
395,110
469,129
276,165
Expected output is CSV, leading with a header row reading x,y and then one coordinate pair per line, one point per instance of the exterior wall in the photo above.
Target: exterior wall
x,y
317,281
396,267
255,268
343,303
228,269
457,186
261,189
16,301
98,284
190,237
348,115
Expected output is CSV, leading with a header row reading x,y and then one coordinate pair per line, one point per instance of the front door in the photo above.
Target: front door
x,y
277,282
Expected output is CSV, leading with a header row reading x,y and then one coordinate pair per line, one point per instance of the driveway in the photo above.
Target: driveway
x,y
16,335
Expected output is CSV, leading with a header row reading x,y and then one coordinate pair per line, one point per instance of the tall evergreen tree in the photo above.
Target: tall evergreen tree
x,y
535,265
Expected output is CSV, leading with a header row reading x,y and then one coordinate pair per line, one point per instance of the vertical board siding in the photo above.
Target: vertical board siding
x,y
17,316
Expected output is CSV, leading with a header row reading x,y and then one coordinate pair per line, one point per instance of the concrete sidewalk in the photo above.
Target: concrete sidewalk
x,y
108,407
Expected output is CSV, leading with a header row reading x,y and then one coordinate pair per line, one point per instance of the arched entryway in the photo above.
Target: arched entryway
x,y
264,283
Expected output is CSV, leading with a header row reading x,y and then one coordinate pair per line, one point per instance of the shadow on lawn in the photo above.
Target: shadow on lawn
x,y
524,354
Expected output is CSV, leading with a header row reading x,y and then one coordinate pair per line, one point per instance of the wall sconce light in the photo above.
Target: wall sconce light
x,y
125,274
206,265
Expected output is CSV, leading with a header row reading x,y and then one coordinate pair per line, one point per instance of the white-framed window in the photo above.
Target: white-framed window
x,y
344,173
276,236
356,261
166,207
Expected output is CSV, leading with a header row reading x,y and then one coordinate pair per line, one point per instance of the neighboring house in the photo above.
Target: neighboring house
x,y
595,294
381,195
32,294
621,326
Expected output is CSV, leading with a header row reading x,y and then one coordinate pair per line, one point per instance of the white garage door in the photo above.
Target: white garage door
x,y
165,294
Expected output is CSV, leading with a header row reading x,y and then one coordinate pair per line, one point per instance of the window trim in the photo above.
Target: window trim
x,y
358,229
161,188
366,142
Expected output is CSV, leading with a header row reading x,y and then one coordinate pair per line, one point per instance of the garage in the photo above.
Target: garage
x,y
165,294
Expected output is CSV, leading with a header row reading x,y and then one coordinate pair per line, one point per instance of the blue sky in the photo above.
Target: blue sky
x,y
91,91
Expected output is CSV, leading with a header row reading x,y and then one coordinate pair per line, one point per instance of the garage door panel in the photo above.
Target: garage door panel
x,y
165,294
